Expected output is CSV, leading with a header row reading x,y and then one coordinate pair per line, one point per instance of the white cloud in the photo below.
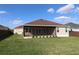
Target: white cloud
x,y
66,19
63,19
51,10
66,9
17,21
3,12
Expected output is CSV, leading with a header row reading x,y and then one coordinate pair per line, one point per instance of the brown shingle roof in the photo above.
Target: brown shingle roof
x,y
42,22
39,22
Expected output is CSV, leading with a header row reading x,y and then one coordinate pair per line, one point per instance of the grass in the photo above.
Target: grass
x,y
16,45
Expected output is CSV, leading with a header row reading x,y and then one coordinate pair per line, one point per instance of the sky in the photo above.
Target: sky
x,y
13,15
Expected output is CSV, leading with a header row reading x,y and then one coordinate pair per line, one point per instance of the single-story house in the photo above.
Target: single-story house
x,y
42,28
4,27
18,30
74,27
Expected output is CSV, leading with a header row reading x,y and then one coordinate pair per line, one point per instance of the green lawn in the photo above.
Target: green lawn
x,y
16,45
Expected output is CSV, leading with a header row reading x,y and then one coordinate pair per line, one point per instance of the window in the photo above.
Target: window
x,y
26,29
66,29
57,29
29,29
71,30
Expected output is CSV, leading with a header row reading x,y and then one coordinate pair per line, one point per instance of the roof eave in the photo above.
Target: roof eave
x,y
42,25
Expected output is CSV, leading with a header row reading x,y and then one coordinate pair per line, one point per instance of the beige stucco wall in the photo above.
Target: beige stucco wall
x,y
18,31
62,32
